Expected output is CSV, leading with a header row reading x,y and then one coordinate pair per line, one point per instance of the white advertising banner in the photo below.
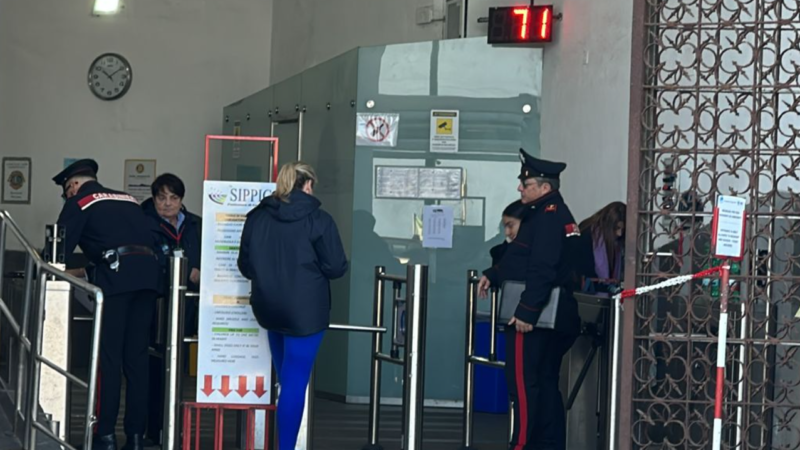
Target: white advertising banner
x,y
234,362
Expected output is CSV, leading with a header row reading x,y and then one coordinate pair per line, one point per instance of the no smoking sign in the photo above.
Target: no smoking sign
x,y
377,130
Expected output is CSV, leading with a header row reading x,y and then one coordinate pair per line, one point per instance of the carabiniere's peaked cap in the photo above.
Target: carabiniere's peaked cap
x,y
82,167
539,168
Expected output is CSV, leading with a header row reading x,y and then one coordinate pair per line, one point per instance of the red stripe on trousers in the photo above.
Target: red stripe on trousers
x,y
522,399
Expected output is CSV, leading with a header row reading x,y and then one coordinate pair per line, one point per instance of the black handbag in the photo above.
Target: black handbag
x,y
511,294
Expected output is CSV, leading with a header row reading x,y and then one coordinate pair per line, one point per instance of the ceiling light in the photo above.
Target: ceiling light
x,y
106,7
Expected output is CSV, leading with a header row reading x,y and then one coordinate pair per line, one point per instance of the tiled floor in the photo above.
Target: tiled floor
x,y
340,426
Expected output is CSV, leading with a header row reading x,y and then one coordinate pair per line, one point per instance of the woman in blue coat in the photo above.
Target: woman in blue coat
x,y
290,250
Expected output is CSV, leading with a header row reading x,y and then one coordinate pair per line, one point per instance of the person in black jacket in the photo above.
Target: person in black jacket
x,y
117,237
542,254
177,234
290,250
512,218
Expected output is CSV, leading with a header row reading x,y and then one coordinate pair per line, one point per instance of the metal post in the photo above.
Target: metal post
x,y
300,136
511,421
396,289
309,412
36,365
375,375
493,327
94,363
273,418
172,352
414,392
2,252
469,378
716,442
612,416
30,274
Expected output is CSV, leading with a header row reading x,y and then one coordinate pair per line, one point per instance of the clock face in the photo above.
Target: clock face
x,y
110,76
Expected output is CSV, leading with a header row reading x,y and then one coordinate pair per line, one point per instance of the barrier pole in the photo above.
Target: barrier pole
x,y
24,354
493,326
721,355
414,392
469,376
306,435
35,362
612,416
375,374
2,253
172,352
397,287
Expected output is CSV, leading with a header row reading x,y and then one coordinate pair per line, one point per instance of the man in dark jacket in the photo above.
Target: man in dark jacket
x,y
117,238
541,255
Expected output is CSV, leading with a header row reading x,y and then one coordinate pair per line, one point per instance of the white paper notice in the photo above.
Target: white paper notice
x,y
397,182
729,227
234,362
440,183
437,226
444,131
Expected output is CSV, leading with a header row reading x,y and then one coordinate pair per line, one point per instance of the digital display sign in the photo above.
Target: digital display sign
x,y
521,24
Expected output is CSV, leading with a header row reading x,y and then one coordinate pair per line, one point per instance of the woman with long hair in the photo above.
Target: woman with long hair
x,y
601,248
290,250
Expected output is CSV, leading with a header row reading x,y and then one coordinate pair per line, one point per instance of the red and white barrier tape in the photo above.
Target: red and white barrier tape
x,y
721,342
666,283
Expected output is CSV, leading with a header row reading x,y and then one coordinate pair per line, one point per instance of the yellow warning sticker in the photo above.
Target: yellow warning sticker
x,y
444,126
444,131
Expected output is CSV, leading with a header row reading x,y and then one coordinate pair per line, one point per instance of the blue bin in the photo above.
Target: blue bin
x,y
491,393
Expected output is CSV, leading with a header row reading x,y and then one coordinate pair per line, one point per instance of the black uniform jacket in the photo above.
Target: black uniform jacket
x,y
291,251
187,238
542,255
100,219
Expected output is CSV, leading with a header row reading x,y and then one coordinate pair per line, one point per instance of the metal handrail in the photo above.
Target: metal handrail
x,y
39,270
357,328
5,217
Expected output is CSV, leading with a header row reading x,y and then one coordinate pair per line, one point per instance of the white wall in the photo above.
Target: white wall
x,y
585,101
309,32
189,58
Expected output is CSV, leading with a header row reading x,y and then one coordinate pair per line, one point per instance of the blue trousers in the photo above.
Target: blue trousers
x,y
293,358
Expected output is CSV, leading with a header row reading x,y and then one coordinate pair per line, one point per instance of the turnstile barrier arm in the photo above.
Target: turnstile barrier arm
x,y
375,372
469,368
470,359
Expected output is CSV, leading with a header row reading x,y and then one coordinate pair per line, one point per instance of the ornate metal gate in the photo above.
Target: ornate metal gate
x,y
715,110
